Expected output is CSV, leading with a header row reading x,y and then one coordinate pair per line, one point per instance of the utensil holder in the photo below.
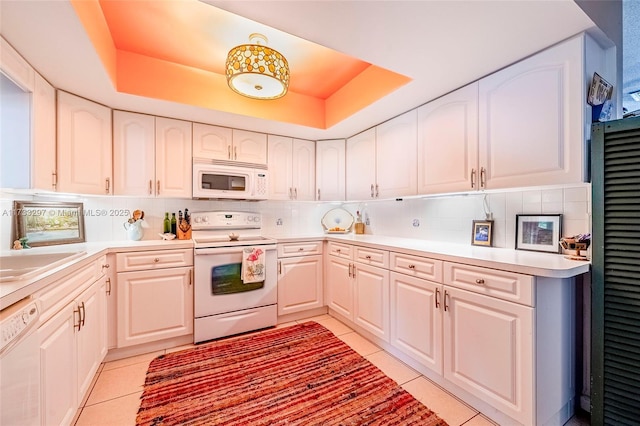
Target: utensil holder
x,y
359,227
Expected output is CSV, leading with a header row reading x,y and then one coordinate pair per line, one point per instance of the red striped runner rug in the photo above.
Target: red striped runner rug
x,y
298,375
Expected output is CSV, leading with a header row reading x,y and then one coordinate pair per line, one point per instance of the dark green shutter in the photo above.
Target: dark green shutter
x,y
615,325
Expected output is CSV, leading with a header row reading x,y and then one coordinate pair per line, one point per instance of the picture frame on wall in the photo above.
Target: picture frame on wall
x,y
482,233
48,223
540,232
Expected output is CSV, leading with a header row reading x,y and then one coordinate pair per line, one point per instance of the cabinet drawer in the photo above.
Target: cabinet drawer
x,y
344,251
492,282
371,256
299,249
155,259
416,266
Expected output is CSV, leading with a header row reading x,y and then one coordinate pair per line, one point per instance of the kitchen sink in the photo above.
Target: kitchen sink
x,y
25,265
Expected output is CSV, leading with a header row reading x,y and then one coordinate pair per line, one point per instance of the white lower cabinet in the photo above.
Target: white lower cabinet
x,y
299,277
359,291
154,305
416,319
73,341
488,350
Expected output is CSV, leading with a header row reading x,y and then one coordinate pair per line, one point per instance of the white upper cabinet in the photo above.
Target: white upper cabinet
x,y
280,167
330,170
152,155
303,170
212,142
361,170
396,162
381,162
134,154
173,158
84,146
448,142
292,168
223,143
44,135
249,147
531,118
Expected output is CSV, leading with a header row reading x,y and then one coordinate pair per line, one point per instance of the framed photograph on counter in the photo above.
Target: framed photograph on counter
x,y
482,233
539,232
48,223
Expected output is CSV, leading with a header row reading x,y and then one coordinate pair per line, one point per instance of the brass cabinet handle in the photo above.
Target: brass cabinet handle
x,y
108,185
377,191
235,152
79,324
150,186
480,281
367,257
84,313
191,276
108,291
158,187
105,266
412,266
350,266
353,273
483,177
301,249
229,152
318,194
54,179
437,298
371,190
473,178
446,297
279,267
290,193
295,193
338,250
156,260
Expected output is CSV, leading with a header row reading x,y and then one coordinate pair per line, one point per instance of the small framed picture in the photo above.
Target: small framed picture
x,y
48,223
482,234
539,232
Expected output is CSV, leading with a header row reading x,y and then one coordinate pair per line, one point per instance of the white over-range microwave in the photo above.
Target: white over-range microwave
x,y
218,181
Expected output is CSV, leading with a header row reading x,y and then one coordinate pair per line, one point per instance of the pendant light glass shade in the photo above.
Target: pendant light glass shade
x,y
257,71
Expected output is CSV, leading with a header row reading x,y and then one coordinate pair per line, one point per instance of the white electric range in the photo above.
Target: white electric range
x,y
223,303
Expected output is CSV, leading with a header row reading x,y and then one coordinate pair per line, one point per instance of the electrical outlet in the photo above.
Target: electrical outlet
x,y
416,223
279,222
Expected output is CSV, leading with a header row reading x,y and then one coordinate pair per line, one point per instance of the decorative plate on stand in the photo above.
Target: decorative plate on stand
x,y
337,221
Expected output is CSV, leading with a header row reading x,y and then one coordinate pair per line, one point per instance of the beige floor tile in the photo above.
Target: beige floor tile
x,y
118,382
446,406
115,412
335,326
148,357
180,348
480,420
286,324
359,344
317,318
393,368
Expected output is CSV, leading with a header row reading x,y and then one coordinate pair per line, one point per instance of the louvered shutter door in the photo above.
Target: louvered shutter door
x,y
615,351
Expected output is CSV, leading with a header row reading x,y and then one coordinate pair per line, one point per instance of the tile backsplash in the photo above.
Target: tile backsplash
x,y
441,218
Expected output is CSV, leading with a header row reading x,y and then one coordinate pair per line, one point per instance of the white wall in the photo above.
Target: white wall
x,y
446,218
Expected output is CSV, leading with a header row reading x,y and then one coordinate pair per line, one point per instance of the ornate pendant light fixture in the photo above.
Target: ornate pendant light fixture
x,y
257,71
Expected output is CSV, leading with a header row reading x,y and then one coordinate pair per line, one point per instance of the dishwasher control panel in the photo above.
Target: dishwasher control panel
x,y
16,320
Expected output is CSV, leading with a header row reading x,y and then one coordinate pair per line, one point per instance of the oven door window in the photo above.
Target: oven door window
x,y
225,279
223,182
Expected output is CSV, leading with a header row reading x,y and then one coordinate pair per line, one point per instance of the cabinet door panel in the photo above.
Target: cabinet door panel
x,y
448,142
84,146
154,305
44,135
361,172
371,299
396,161
133,154
211,142
330,170
59,385
299,284
531,130
280,167
340,287
89,338
416,319
489,350
173,158
303,168
249,147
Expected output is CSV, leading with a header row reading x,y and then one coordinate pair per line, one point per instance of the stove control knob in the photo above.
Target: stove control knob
x,y
205,219
197,219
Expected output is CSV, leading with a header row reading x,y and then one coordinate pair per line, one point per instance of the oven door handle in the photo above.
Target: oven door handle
x,y
225,250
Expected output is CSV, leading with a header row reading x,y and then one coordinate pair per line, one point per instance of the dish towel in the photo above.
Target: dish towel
x,y
252,270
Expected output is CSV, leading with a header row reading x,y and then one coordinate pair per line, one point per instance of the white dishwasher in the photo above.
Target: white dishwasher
x,y
20,364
